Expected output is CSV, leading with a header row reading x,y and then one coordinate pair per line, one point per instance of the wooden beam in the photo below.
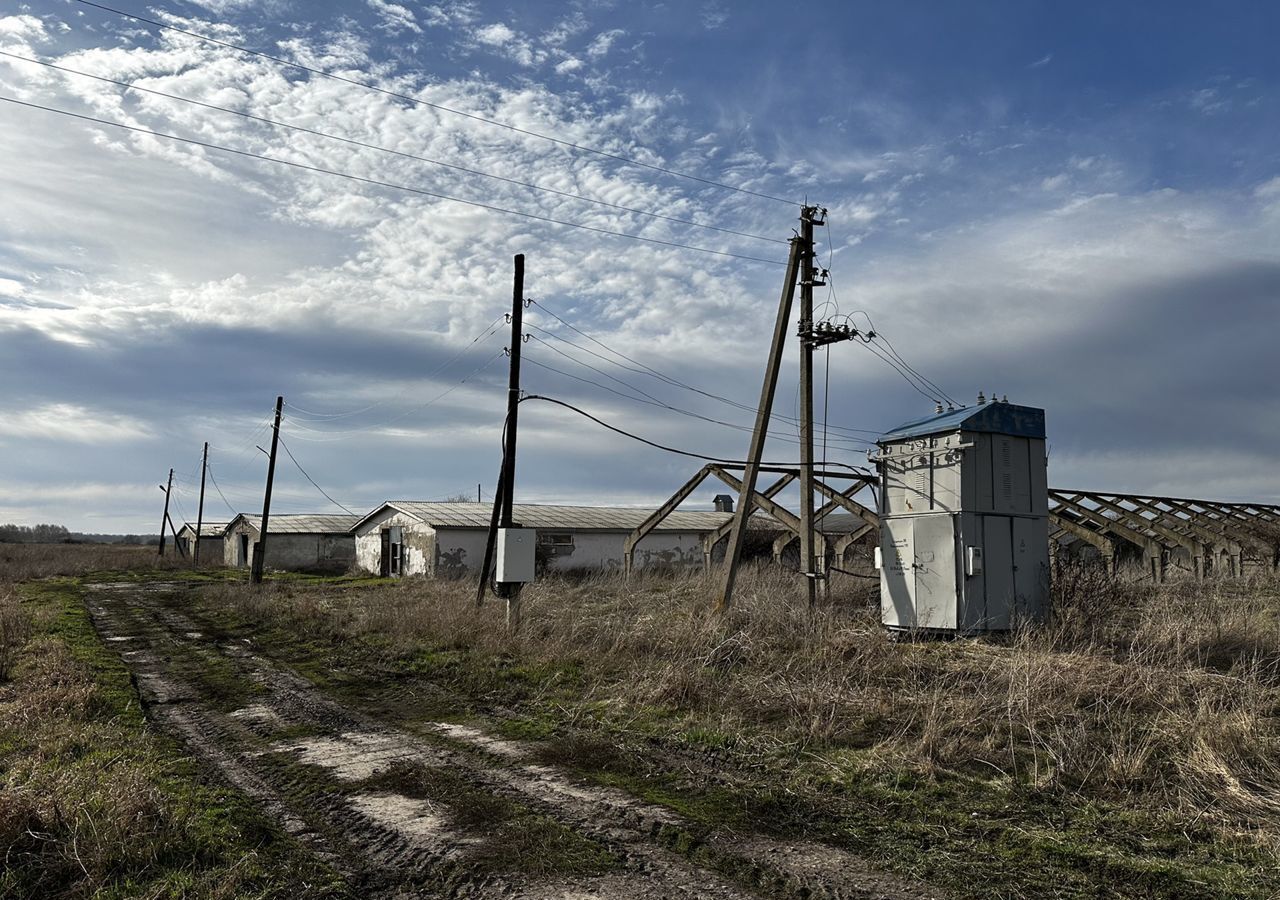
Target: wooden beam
x,y
658,515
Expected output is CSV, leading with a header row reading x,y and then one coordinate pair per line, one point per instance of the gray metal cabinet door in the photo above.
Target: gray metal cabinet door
x,y
997,539
1030,566
935,552
897,574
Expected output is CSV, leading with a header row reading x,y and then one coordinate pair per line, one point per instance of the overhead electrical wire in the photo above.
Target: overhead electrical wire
x,y
649,399
859,471
661,376
289,453
389,185
367,146
581,148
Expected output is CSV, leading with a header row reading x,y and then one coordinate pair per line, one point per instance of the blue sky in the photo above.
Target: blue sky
x,y
1077,205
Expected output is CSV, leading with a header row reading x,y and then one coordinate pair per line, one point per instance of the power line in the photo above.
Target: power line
x,y
651,401
387,184
357,143
882,355
582,148
234,512
312,480
661,376
859,470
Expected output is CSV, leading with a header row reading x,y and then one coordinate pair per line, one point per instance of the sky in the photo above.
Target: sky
x,y
1076,206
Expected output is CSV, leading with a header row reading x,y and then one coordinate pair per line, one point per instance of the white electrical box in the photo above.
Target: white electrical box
x,y
964,511
973,561
515,552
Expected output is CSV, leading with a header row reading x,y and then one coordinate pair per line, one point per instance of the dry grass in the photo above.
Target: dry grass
x,y
26,562
1161,698
94,803
15,630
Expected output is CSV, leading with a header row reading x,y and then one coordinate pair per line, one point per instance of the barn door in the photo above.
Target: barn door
x,y
384,558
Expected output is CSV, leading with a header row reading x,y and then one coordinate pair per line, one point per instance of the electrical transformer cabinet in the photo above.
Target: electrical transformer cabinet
x,y
964,510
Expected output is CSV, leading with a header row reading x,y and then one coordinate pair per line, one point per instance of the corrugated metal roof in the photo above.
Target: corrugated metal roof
x,y
303,523
999,418
578,518
536,515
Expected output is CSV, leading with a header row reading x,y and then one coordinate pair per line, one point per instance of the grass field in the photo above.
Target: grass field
x,y
93,802
1130,748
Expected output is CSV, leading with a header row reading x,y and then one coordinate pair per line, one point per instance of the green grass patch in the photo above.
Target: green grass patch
x,y
94,802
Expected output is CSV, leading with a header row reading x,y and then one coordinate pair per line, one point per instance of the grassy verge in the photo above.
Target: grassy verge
x,y
1131,749
93,802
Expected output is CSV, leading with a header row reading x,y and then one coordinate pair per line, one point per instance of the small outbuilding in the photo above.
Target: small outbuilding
x,y
304,542
405,537
211,544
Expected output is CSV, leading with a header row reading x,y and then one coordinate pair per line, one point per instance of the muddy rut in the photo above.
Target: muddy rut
x,y
445,810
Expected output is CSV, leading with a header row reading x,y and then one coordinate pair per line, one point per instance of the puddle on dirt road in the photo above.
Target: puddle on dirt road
x,y
356,755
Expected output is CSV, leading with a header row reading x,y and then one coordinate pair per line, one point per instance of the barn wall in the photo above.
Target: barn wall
x,y
231,540
291,552
460,551
418,542
211,551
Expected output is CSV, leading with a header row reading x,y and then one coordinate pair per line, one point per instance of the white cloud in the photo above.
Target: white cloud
x,y
395,18
497,34
714,16
1041,62
70,422
603,42
570,64
23,26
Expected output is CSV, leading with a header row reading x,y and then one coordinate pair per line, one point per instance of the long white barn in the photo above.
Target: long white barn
x,y
405,537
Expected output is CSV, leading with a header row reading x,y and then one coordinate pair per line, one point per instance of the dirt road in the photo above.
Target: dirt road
x,y
444,810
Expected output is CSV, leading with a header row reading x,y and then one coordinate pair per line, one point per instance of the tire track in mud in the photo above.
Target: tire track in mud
x,y
335,778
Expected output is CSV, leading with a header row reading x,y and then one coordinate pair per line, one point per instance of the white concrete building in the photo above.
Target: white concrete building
x,y
295,542
404,537
211,543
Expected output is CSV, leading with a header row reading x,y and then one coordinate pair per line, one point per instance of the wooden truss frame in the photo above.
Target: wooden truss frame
x,y
764,500
1212,535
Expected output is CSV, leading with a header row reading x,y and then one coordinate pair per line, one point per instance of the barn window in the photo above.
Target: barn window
x,y
555,543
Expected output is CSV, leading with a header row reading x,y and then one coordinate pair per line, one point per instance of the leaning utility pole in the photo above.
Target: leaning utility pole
x,y
204,468
164,520
255,572
505,494
808,557
733,553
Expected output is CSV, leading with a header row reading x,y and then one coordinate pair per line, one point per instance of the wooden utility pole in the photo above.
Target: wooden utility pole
x,y
733,553
808,556
204,468
504,496
164,520
255,572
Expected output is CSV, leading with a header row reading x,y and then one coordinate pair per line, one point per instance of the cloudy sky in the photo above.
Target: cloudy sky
x,y
1076,205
